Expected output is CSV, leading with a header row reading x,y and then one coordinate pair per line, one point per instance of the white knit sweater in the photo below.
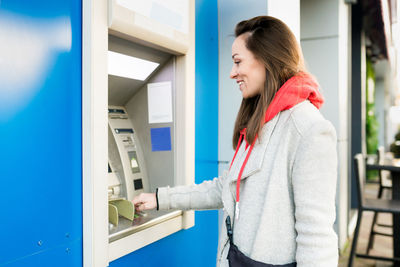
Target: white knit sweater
x,y
287,195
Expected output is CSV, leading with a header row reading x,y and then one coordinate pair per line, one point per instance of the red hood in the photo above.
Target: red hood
x,y
294,91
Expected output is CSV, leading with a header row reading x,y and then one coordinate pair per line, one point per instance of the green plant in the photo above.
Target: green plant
x,y
372,125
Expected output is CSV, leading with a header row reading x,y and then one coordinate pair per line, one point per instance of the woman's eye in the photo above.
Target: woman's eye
x,y
237,62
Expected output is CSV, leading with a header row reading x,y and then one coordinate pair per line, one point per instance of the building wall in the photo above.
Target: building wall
x,y
40,133
291,16
324,39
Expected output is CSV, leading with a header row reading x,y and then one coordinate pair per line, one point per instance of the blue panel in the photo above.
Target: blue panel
x,y
160,139
40,133
67,254
206,84
193,247
196,246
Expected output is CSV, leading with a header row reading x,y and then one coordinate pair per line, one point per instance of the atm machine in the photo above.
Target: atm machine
x,y
138,121
127,175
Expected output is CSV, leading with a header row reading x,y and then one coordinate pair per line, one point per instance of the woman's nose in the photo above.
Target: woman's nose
x,y
233,73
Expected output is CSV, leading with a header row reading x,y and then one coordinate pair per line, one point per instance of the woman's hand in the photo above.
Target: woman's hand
x,y
145,201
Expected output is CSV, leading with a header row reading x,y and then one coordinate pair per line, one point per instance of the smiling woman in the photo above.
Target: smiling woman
x,y
282,209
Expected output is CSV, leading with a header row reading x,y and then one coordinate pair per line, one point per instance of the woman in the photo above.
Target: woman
x,y
278,195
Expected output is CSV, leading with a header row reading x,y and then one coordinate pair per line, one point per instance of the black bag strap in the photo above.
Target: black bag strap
x,y
229,229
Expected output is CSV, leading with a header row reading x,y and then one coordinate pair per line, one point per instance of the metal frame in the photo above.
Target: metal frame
x,y
378,205
94,156
380,159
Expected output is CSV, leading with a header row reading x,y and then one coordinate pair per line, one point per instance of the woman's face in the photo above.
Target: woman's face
x,y
248,72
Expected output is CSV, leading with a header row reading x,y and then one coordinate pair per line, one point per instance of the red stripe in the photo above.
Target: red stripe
x,y
242,169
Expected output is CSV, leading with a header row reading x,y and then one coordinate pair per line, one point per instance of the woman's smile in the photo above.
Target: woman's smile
x,y
241,84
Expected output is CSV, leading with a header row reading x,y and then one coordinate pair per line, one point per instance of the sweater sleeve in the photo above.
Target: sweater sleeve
x,y
314,179
204,196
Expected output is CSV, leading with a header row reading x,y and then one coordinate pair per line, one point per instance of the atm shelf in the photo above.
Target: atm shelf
x,y
150,218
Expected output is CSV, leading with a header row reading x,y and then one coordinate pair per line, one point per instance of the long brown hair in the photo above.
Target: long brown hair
x,y
272,43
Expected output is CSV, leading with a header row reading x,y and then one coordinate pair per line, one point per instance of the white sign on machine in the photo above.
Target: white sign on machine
x,y
160,102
